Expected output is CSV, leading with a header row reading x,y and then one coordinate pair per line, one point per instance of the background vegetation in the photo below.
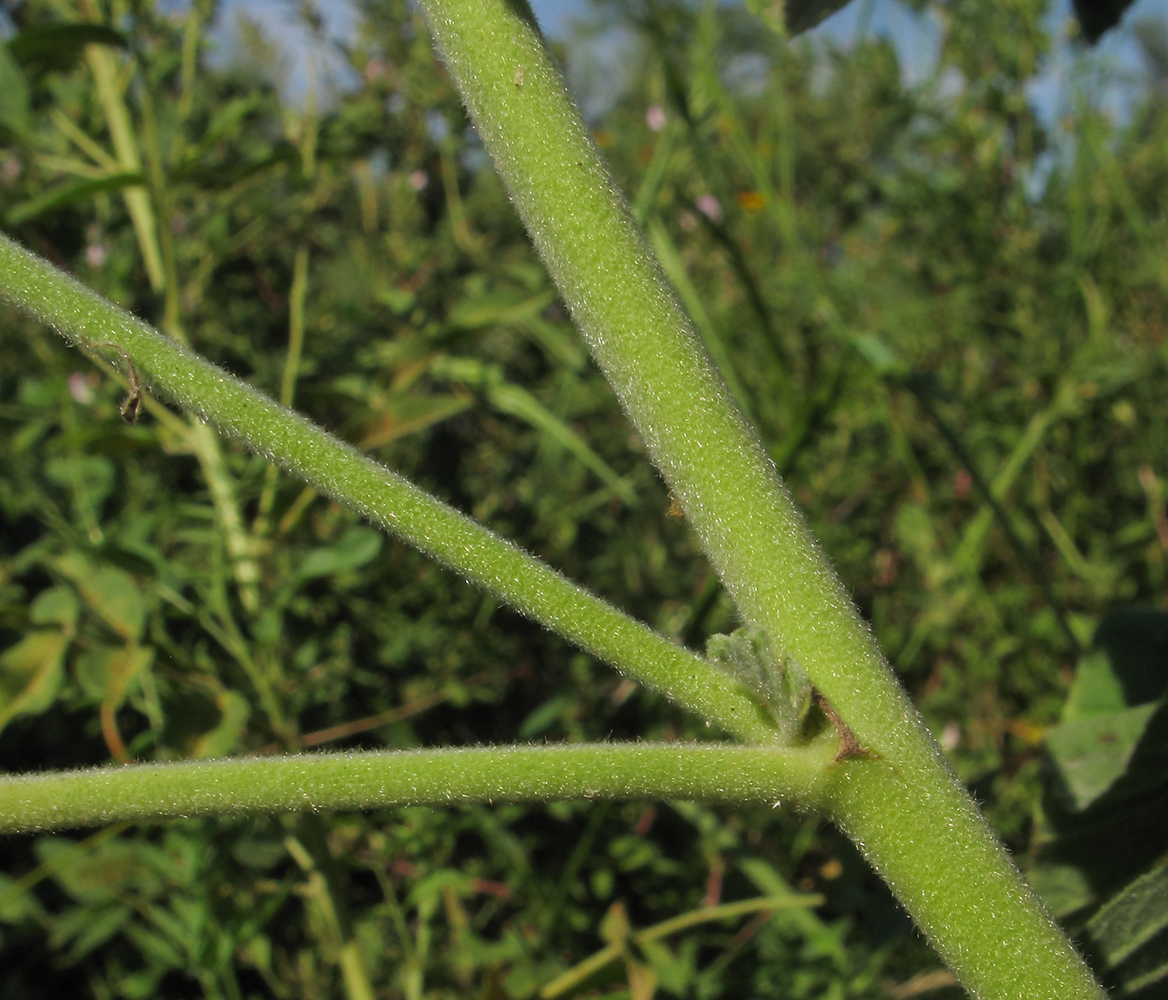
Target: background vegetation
x,y
922,297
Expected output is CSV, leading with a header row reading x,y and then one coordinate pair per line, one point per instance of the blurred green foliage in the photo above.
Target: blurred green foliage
x,y
947,327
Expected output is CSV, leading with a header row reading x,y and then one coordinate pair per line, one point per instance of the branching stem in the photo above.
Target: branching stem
x,y
338,470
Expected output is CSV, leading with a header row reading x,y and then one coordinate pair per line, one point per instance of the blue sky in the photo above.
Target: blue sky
x,y
915,37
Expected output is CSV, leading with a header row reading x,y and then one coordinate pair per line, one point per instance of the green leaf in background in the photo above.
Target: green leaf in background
x,y
59,47
1095,690
546,716
107,673
1099,825
89,477
674,268
1143,975
14,97
225,122
879,354
85,930
210,723
220,741
396,300
111,593
106,872
499,308
1128,932
1135,641
17,905
1093,753
55,606
1115,694
356,547
517,402
31,674
408,413
69,193
772,13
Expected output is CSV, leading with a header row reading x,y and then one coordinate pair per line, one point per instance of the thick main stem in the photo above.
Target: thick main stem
x,y
926,827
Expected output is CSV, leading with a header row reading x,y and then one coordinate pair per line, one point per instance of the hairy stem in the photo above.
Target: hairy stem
x,y
926,827
714,772
650,353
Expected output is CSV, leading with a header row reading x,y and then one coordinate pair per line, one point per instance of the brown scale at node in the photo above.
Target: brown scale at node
x,y
132,404
849,745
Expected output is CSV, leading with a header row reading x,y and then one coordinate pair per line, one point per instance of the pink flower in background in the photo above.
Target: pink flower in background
x,y
81,388
374,69
655,117
709,206
95,255
419,179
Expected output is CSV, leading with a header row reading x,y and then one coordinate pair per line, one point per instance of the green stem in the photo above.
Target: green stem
x,y
714,772
641,337
340,471
958,884
221,486
921,390
748,524
694,918
105,77
325,892
152,225
296,299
